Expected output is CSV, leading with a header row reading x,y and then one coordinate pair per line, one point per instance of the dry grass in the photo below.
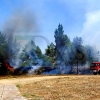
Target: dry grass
x,y
64,88
18,76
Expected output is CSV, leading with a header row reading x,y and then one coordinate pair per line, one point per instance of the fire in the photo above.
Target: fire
x,y
10,68
18,70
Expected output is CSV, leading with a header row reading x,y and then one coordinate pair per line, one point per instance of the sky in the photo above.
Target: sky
x,y
79,18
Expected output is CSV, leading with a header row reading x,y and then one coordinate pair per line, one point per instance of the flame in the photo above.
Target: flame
x,y
10,68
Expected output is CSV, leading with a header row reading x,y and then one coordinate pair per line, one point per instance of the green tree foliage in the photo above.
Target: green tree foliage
x,y
13,49
38,52
50,53
47,61
71,53
3,46
63,45
82,53
3,50
28,55
78,51
9,47
60,38
8,51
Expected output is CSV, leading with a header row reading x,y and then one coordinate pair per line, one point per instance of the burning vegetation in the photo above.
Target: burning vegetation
x,y
63,57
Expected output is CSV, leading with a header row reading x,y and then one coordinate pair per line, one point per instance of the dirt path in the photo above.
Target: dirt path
x,y
10,92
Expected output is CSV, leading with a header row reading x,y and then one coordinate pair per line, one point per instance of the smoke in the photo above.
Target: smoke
x,y
21,22
33,69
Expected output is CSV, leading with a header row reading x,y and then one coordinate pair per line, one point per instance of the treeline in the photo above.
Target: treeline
x,y
63,56
70,57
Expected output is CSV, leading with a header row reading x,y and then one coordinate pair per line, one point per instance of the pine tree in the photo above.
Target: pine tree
x,y
62,50
50,51
63,45
38,51
28,55
78,51
3,46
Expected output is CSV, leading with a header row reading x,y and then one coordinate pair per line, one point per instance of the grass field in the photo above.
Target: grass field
x,y
71,87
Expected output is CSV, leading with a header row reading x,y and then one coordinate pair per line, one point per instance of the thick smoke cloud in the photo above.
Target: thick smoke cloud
x,y
21,22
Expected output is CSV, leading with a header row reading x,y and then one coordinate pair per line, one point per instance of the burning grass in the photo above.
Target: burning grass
x,y
63,88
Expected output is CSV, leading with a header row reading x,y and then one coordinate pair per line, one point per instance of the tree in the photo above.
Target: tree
x,y
62,50
78,51
63,45
50,51
3,46
28,56
38,51
12,50
8,51
82,54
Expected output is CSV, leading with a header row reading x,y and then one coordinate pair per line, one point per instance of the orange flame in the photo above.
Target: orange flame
x,y
9,67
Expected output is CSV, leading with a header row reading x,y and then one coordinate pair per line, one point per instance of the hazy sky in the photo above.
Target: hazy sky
x,y
78,17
